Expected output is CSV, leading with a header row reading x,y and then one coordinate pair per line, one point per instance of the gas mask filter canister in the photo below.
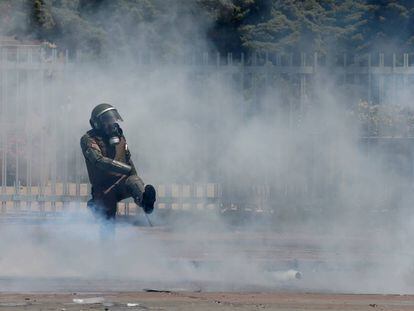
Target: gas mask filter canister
x,y
113,134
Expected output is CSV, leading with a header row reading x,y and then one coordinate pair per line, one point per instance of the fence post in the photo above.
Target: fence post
x,y
394,82
356,76
242,65
4,97
369,80
16,204
29,138
77,177
302,84
345,64
381,79
405,72
42,173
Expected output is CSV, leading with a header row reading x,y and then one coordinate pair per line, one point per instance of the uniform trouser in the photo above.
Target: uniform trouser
x,y
105,205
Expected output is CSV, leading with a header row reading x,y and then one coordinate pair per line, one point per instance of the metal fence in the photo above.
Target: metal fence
x,y
35,178
373,76
322,187
55,199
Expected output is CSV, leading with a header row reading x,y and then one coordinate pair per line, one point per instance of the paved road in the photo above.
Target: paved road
x,y
200,267
204,301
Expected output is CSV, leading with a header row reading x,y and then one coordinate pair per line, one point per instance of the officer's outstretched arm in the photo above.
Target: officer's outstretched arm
x,y
93,153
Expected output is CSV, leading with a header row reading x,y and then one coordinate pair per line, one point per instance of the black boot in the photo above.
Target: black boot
x,y
148,199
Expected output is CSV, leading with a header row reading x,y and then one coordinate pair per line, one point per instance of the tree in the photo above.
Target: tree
x,y
226,19
390,26
175,27
13,18
310,25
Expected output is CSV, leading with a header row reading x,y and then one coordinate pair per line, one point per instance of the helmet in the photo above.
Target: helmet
x,y
103,114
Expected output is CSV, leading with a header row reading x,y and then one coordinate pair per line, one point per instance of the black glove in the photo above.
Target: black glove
x,y
148,199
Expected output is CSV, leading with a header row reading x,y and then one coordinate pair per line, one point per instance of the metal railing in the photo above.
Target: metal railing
x,y
55,199
33,176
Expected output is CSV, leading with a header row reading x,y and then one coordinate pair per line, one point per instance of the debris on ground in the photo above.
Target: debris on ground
x,y
150,290
288,275
88,301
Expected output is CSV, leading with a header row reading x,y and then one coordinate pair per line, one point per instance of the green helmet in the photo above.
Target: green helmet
x,y
102,113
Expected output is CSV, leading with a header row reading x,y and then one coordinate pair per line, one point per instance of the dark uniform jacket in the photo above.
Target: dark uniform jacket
x,y
103,160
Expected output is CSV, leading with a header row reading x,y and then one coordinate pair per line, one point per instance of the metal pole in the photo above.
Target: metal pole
x,y
4,86
369,80
42,174
302,84
29,137
405,72
17,132
242,65
381,80
394,82
5,100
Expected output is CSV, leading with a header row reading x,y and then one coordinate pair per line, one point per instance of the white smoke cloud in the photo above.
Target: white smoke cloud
x,y
185,127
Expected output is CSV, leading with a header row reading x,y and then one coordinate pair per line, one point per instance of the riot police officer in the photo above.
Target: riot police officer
x,y
110,168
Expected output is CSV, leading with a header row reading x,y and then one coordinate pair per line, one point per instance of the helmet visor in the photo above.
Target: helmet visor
x,y
110,117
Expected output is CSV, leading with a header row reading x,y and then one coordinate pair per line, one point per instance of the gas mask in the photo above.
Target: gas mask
x,y
112,132
109,126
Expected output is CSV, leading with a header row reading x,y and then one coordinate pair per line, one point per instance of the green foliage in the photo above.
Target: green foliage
x,y
384,120
166,26
13,18
391,25
307,25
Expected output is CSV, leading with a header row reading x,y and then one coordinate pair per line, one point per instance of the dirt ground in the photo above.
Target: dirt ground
x,y
203,301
